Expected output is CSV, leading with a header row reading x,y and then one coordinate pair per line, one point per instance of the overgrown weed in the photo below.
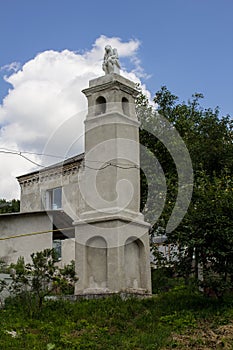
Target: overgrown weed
x,y
111,323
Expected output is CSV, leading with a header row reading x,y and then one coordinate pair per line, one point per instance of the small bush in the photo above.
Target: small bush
x,y
31,283
163,279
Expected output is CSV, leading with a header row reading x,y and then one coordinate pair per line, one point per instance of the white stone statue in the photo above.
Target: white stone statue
x,y
111,61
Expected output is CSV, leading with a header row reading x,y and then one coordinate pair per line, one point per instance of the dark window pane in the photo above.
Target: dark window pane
x,y
56,203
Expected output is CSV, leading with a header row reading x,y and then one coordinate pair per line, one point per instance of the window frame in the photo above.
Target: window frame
x,y
51,204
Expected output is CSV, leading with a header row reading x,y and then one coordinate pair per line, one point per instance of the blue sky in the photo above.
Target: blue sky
x,y
185,44
49,49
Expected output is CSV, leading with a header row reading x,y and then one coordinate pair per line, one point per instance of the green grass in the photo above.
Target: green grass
x,y
112,323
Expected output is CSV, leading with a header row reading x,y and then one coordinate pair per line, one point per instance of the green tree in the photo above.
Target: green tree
x,y
208,137
211,218
207,228
12,206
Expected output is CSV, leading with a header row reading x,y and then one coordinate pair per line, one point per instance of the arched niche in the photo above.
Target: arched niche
x,y
96,255
125,105
100,105
132,259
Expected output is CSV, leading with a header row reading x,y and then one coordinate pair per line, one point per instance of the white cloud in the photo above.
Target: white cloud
x,y
45,94
126,49
11,66
138,70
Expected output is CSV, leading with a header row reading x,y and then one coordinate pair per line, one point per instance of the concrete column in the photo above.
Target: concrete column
x,y
112,245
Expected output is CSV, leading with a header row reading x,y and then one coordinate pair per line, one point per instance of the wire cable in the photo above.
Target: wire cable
x,y
113,165
119,165
27,152
36,233
21,155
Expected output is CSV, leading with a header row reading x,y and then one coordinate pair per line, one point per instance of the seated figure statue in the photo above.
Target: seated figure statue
x,y
111,61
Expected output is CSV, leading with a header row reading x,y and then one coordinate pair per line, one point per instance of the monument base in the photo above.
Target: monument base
x,y
112,257
123,295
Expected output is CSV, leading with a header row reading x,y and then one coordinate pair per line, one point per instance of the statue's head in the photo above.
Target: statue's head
x,y
108,48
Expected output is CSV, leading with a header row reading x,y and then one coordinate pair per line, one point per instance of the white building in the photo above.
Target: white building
x,y
49,203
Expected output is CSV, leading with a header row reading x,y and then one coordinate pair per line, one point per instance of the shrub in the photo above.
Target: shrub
x,y
32,282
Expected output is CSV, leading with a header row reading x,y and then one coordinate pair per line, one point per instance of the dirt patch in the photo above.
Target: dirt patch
x,y
204,338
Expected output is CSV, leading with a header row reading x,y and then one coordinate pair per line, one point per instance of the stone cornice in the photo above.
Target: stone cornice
x,y
110,86
109,82
113,117
68,167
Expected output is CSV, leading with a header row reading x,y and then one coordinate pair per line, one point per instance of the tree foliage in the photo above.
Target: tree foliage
x,y
206,232
12,206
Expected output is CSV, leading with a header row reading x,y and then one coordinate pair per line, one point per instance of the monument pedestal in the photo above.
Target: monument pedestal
x,y
112,256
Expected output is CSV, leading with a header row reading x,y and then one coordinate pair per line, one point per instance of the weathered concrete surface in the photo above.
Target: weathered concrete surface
x,y
112,256
112,243
34,233
65,174
68,251
19,224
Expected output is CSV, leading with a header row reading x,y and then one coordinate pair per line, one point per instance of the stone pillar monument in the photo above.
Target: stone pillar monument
x,y
112,242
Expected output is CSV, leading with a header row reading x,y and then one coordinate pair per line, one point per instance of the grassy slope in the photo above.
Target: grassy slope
x,y
178,319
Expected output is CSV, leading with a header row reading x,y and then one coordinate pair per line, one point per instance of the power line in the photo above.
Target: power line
x,y
21,155
35,153
48,155
113,165
110,162
36,233
119,165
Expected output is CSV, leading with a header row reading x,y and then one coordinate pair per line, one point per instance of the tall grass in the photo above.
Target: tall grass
x,y
109,323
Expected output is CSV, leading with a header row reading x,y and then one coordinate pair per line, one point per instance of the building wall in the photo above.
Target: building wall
x,y
67,251
35,185
36,216
19,224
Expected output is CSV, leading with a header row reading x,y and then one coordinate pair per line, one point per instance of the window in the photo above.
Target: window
x,y
57,247
100,107
125,105
54,198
